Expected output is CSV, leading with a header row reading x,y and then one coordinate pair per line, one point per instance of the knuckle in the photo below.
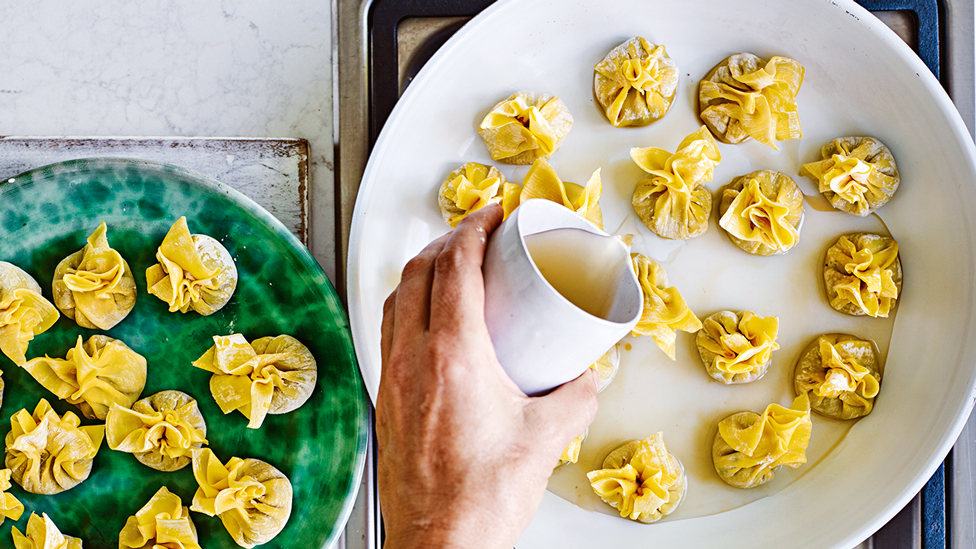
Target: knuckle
x,y
451,260
416,266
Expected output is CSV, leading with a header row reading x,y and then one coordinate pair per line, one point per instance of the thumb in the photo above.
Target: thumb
x,y
565,413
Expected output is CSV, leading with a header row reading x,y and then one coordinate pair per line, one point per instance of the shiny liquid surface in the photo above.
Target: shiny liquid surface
x,y
583,267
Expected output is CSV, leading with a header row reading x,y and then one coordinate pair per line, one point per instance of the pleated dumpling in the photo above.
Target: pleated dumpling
x,y
857,174
665,311
47,453
606,366
737,347
542,182
24,313
862,274
271,375
571,453
472,187
160,430
162,523
641,479
194,272
42,533
745,96
761,212
525,127
252,499
94,286
635,83
93,376
673,201
10,507
841,375
749,447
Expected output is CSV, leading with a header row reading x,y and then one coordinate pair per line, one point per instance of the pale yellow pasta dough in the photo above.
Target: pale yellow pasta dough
x,y
271,375
24,313
47,453
542,182
737,347
160,430
525,127
571,453
10,507
745,96
641,479
606,366
252,499
42,533
472,187
761,212
862,274
93,376
635,83
857,174
162,523
841,375
94,286
749,447
665,311
194,272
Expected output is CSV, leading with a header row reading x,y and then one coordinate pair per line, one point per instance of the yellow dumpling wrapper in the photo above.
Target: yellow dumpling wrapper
x,y
94,286
743,347
868,277
269,376
665,311
160,430
182,278
673,202
542,182
24,313
746,97
251,498
641,481
845,375
48,453
857,174
571,453
606,366
94,375
525,127
841,375
10,507
778,437
635,83
755,217
42,533
162,523
472,187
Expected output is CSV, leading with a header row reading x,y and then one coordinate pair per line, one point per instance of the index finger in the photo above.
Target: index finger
x,y
458,292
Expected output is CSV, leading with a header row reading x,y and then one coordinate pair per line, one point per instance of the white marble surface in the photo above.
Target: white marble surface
x,y
242,68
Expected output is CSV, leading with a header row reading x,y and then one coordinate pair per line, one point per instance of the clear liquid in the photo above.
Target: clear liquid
x,y
583,267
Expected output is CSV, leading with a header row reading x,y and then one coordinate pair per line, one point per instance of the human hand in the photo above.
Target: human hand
x,y
464,455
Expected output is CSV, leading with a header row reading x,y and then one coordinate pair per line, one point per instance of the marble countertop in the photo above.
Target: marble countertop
x,y
247,68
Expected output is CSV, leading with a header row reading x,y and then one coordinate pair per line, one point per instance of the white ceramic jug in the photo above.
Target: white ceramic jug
x,y
541,338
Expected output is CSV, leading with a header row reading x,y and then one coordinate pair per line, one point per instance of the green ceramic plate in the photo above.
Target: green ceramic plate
x,y
47,213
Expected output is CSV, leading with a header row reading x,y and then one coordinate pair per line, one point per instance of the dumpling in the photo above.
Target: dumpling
x,y
664,309
93,376
251,498
541,181
862,274
162,523
606,366
857,174
525,127
745,96
673,201
840,374
94,286
47,453
571,453
271,375
761,212
736,347
160,430
749,447
24,313
10,507
635,83
472,187
42,533
194,271
641,479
